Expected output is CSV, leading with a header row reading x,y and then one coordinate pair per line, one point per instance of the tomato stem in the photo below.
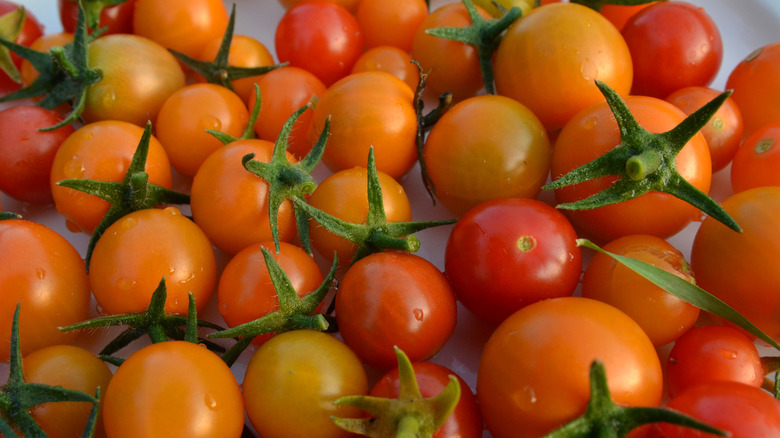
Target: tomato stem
x,y
10,26
642,165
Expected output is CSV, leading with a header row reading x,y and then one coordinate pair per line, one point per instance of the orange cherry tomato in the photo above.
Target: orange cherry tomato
x,y
389,59
756,87
245,51
756,161
350,5
390,22
619,14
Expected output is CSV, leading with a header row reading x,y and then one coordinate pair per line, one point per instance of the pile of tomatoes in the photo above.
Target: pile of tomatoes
x,y
497,290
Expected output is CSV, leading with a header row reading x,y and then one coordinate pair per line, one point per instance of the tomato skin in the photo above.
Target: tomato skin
x,y
681,34
117,18
389,59
661,315
321,37
71,367
464,422
739,268
368,109
137,251
485,257
244,219
392,299
173,389
27,154
350,5
486,147
620,14
757,159
712,353
549,59
42,271
533,372
756,87
101,151
593,132
390,22
31,31
297,375
744,411
245,290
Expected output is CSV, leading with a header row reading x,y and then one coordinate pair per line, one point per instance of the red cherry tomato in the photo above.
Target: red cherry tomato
x,y
31,31
116,18
756,161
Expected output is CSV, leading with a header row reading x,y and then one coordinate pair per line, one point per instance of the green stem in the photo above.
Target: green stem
x,y
643,164
408,427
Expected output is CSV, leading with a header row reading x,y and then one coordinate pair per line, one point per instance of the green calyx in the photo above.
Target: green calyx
x,y
377,234
598,4
483,34
134,193
408,416
294,312
64,73
604,418
154,322
218,71
424,124
10,27
288,180
645,162
93,9
17,397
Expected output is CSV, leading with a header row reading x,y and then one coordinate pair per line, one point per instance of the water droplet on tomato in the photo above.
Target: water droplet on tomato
x,y
210,401
728,354
128,223
173,211
74,169
419,314
211,122
40,273
591,122
124,284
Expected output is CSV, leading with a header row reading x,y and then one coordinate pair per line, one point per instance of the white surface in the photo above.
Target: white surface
x,y
745,25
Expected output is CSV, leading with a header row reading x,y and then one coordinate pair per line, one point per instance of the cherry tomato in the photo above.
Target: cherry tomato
x,y
182,25
739,268
755,84
296,376
620,14
681,34
390,22
244,218
395,299
350,5
464,422
100,151
43,272
188,113
389,59
344,195
173,389
283,91
27,154
549,59
497,242
245,290
486,147
117,18
137,251
593,132
452,66
319,36
245,51
723,132
711,353
368,109
42,44
661,315
743,410
533,372
31,30
74,368
756,162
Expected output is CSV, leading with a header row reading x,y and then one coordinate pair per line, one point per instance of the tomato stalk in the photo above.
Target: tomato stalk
x,y
604,418
771,365
425,123
408,416
294,312
645,162
17,397
10,27
596,5
483,34
134,193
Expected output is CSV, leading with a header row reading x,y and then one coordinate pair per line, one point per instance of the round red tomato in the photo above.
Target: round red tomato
x,y
756,86
505,254
756,161
117,18
31,30
392,299
390,22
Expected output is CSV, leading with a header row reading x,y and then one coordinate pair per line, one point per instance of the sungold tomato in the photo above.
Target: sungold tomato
x,y
293,379
368,109
549,60
756,161
486,147
138,76
245,51
137,251
533,372
42,271
344,195
245,290
394,298
187,114
593,132
243,217
100,151
390,22
173,389
182,25
661,315
389,59
756,87
71,367
739,268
